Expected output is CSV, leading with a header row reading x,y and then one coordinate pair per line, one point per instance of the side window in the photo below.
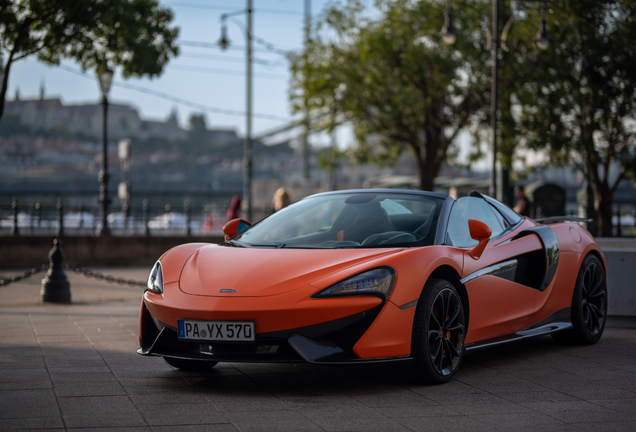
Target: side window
x,y
509,214
470,208
499,217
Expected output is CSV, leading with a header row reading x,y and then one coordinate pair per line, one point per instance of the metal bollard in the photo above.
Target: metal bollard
x,y
80,224
168,209
38,211
146,215
186,210
60,219
55,287
31,218
14,227
133,217
125,211
93,219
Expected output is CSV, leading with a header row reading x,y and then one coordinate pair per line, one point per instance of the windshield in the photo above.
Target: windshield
x,y
352,220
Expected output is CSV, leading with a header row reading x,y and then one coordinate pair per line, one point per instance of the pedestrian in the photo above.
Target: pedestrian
x,y
523,203
281,199
234,211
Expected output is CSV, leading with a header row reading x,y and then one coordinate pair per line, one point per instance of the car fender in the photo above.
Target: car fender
x,y
174,259
390,333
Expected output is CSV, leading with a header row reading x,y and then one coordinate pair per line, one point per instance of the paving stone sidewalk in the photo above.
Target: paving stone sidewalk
x,y
74,367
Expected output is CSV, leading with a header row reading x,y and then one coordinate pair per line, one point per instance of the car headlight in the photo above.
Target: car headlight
x,y
155,279
377,282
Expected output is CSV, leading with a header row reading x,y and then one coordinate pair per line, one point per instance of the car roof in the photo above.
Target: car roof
x,y
388,191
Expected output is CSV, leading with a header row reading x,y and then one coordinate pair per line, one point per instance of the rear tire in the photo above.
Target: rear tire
x,y
437,343
190,365
589,305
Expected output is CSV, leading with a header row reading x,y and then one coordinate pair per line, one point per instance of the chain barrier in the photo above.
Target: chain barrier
x,y
105,278
78,270
24,275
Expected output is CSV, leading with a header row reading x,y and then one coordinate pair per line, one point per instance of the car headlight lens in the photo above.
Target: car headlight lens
x,y
378,282
155,279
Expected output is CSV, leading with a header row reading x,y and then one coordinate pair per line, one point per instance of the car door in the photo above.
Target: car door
x,y
500,301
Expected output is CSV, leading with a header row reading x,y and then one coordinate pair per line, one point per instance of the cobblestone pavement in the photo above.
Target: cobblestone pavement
x,y
74,367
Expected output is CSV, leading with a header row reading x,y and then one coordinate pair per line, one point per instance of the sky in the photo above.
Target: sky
x,y
206,76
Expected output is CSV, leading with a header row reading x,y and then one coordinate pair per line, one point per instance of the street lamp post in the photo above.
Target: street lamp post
x,y
247,144
123,190
105,79
494,96
542,40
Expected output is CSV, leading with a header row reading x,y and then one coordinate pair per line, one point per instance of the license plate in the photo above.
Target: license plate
x,y
216,330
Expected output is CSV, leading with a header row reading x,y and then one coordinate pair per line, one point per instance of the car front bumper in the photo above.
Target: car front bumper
x,y
291,327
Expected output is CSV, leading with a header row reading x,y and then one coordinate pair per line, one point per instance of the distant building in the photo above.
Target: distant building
x,y
51,116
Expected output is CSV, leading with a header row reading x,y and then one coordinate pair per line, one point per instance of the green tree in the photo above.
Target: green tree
x,y
393,79
579,103
133,34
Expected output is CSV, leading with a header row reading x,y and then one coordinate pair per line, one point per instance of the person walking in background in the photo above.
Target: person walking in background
x,y
523,203
234,211
281,199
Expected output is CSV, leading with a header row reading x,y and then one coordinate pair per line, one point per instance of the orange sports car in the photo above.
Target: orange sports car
x,y
365,276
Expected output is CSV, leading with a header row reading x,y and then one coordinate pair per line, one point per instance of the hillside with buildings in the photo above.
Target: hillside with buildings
x,y
49,149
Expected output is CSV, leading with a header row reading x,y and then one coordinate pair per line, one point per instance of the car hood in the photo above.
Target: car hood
x,y
256,272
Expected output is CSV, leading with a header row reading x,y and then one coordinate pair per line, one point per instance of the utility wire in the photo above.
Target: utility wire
x,y
232,59
269,47
216,46
228,8
178,99
197,105
222,71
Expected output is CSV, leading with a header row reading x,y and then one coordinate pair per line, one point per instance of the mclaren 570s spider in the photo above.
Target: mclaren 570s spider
x,y
364,276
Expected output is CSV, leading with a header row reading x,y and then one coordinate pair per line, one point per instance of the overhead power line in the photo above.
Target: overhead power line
x,y
231,8
223,71
269,47
178,99
216,46
233,59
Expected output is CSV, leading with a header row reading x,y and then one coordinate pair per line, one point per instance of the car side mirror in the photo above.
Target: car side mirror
x,y
480,232
234,227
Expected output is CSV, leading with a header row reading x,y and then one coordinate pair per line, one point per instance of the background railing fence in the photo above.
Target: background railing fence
x,y
35,218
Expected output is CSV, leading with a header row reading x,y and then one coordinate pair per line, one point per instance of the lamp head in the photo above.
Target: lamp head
x,y
542,39
448,33
105,80
224,42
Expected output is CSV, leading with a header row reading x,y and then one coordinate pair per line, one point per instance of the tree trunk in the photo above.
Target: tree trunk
x,y
16,48
603,200
428,169
428,161
4,85
427,176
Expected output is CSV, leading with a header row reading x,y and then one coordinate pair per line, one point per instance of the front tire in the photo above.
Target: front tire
x,y
437,343
589,305
190,365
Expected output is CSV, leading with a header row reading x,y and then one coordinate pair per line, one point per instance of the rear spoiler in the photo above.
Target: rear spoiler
x,y
556,219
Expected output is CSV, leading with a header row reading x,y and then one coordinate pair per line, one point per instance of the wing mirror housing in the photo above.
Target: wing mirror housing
x,y
480,232
234,227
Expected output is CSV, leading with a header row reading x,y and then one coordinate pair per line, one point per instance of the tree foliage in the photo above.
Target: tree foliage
x,y
393,79
579,102
133,34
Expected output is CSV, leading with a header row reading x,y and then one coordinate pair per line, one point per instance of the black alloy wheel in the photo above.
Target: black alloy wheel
x,y
589,304
190,365
439,329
